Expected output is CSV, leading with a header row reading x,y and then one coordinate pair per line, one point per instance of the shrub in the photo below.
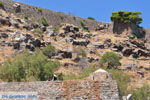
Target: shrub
x,y
44,22
39,9
26,17
110,58
74,18
126,17
28,67
83,24
49,51
83,74
38,30
1,4
91,18
122,80
56,29
142,93
81,53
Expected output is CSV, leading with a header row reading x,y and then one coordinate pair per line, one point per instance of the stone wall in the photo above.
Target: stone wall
x,y
98,86
69,90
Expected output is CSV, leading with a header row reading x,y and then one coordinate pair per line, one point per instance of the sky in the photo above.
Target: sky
x,y
101,10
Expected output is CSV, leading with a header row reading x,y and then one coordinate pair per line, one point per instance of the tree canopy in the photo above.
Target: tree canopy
x,y
127,17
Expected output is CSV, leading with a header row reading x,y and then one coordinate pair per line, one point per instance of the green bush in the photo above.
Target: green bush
x,y
122,80
1,4
28,67
26,17
56,29
38,30
91,18
83,24
49,51
39,9
142,93
83,74
44,22
111,59
126,17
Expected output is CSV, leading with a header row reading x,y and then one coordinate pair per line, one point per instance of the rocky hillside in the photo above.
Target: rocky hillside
x,y
76,49
54,18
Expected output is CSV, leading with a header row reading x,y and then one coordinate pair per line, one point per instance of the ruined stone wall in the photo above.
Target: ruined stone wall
x,y
54,18
68,90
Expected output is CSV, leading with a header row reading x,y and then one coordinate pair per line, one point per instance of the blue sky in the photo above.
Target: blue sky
x,y
99,9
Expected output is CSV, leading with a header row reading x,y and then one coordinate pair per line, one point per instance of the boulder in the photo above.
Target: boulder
x,y
131,66
117,47
82,42
27,27
138,44
35,25
70,28
141,73
147,68
37,43
98,45
4,35
107,43
127,51
50,31
5,21
92,59
65,53
16,45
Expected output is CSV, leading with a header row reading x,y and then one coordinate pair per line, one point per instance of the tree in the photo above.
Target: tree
x,y
126,22
91,18
127,17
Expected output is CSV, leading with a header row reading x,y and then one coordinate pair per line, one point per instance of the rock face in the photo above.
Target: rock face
x,y
102,87
127,28
147,34
133,48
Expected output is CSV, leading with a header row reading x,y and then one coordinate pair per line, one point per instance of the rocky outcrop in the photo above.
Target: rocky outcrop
x,y
128,29
132,48
82,42
147,35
